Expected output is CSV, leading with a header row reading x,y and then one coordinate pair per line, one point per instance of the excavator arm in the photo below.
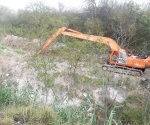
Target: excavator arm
x,y
73,33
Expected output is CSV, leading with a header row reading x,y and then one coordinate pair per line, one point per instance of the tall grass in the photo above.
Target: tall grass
x,y
22,107
2,30
11,95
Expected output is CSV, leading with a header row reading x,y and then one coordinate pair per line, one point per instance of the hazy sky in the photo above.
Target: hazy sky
x,y
20,4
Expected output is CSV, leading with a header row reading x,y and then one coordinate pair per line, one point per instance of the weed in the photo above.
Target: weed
x,y
111,119
72,116
19,51
6,121
32,115
11,95
2,47
2,30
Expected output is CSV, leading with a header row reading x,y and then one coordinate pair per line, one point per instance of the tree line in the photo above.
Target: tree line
x,y
127,23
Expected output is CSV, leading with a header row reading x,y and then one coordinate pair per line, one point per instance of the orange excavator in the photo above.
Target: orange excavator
x,y
119,59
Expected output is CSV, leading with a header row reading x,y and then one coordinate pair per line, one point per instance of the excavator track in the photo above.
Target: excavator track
x,y
122,70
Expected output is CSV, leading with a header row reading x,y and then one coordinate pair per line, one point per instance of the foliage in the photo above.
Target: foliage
x,y
127,23
2,30
11,95
7,15
29,115
36,21
6,121
43,65
20,107
94,26
72,116
111,119
129,26
2,47
135,110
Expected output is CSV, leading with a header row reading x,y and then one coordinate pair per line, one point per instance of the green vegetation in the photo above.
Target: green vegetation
x,y
19,51
2,47
2,30
130,27
31,115
23,108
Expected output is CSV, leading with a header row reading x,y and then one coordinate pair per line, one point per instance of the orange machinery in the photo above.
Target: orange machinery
x,y
118,57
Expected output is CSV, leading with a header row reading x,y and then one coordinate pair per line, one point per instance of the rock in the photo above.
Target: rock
x,y
98,96
116,94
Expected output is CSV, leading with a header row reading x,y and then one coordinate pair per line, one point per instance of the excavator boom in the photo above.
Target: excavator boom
x,y
73,33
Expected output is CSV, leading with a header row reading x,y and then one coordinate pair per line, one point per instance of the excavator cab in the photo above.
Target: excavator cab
x,y
119,57
122,57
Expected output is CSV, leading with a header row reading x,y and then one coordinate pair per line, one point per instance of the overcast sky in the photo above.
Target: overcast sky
x,y
20,4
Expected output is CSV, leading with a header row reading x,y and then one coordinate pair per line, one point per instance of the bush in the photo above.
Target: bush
x,y
32,115
11,95
6,121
